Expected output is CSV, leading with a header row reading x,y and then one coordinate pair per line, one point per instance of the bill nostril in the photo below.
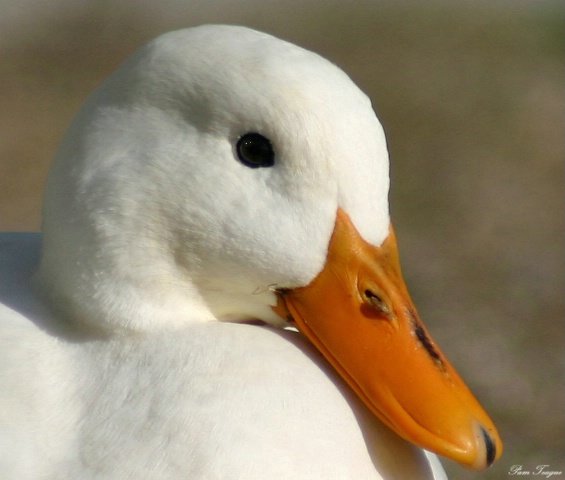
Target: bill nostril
x,y
378,303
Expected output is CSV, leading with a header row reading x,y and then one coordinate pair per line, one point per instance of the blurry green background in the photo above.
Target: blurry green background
x,y
471,97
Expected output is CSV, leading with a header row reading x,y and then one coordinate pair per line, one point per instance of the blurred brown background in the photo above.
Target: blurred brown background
x,y
471,98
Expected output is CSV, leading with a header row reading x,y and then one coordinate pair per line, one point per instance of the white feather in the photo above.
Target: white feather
x,y
154,236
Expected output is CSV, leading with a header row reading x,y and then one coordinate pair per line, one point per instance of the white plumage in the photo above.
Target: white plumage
x,y
125,356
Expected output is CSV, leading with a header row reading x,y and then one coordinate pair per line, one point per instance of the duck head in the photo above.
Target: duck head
x,y
224,175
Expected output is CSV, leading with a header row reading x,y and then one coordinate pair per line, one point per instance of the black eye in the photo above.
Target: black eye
x,y
254,150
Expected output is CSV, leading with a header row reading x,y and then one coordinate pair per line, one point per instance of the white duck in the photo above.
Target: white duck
x,y
220,185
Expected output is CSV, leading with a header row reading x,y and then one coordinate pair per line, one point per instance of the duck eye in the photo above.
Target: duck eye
x,y
254,150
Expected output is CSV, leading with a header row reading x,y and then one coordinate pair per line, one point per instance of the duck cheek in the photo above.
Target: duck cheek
x,y
358,314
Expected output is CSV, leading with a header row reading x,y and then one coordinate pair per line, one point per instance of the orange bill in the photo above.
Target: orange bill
x,y
359,315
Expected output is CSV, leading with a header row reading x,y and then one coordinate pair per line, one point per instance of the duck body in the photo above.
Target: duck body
x,y
216,292
209,401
